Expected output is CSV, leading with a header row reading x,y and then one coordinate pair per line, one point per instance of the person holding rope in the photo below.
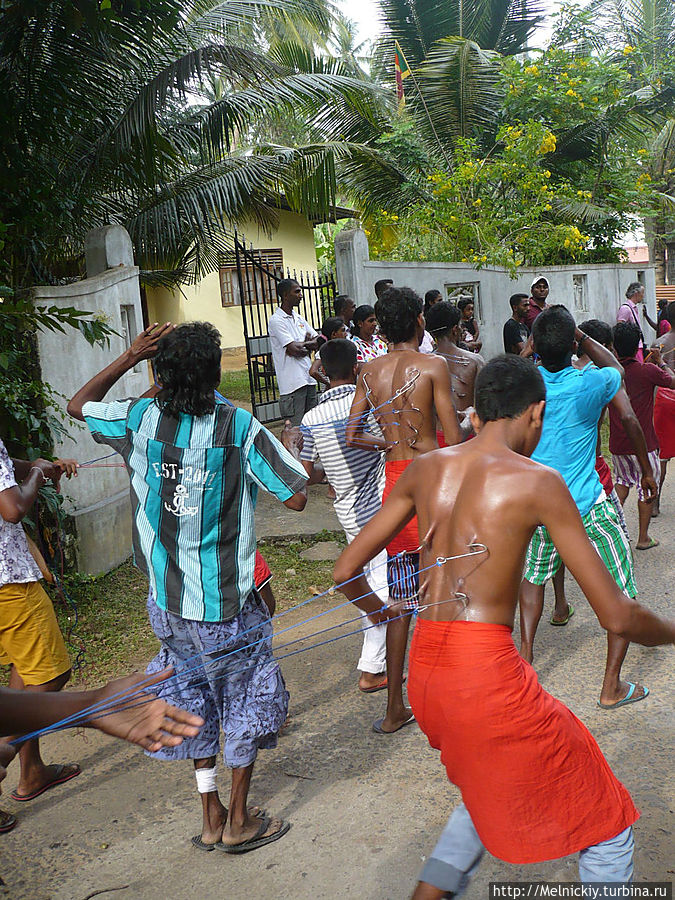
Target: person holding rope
x,y
195,466
30,639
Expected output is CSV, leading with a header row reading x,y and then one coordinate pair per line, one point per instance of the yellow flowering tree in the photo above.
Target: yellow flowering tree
x,y
494,208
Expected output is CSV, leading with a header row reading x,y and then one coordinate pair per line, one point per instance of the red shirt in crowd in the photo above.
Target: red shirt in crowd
x,y
532,312
640,380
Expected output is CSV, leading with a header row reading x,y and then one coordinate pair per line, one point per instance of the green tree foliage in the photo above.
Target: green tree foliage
x,y
489,209
103,122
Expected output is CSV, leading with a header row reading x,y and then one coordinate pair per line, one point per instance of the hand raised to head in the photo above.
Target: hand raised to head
x,y
145,345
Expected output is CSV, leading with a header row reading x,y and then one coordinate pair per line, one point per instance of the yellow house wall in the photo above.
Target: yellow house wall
x,y
201,302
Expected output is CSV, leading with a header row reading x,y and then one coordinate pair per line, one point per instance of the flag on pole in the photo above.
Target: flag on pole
x,y
402,71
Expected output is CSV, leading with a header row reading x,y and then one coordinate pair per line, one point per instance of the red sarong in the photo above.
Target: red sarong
x,y
407,540
533,779
261,573
604,473
664,421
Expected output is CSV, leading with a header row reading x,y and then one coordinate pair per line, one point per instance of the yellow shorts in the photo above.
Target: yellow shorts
x,y
29,633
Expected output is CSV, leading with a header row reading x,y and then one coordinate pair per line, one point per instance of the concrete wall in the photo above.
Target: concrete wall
x,y
202,302
605,285
98,500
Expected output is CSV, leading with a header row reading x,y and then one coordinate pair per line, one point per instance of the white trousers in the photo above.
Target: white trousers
x,y
374,650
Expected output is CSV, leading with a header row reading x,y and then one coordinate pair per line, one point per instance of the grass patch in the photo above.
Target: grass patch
x,y
113,622
235,386
296,579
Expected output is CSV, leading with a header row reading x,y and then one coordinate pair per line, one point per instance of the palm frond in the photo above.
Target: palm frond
x,y
461,86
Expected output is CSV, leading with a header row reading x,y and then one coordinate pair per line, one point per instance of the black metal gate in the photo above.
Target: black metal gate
x,y
258,296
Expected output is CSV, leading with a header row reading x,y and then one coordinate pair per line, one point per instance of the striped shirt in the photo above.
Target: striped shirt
x,y
357,476
194,484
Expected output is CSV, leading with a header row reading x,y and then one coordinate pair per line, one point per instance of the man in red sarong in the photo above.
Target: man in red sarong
x,y
405,390
534,783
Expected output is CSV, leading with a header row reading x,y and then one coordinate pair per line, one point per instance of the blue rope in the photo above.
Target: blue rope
x,y
277,659
140,689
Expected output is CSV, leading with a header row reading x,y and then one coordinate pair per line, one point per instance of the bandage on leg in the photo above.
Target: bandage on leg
x,y
206,780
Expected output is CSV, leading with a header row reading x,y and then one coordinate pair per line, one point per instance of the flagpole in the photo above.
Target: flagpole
x,y
426,108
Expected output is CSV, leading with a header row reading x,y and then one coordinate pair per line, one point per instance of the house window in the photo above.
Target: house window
x,y
580,285
466,290
260,281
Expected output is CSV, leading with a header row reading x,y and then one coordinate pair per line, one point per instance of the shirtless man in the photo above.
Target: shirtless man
x,y
406,390
463,366
501,736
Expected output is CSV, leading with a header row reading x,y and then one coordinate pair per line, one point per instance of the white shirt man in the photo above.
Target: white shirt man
x,y
292,340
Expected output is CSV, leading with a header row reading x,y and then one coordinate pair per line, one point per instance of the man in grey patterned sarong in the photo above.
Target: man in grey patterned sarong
x,y
195,465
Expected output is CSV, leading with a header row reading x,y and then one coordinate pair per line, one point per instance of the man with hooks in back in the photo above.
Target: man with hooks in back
x,y
443,323
534,783
406,390
195,466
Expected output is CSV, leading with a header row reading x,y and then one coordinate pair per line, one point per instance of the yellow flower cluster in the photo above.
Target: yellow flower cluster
x,y
531,70
627,50
548,143
585,195
575,239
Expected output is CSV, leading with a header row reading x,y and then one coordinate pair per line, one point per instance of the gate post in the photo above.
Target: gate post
x,y
351,252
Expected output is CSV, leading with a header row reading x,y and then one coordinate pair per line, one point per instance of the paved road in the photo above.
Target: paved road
x,y
365,809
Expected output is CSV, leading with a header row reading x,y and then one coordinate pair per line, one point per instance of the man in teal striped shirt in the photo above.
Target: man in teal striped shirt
x,y
195,466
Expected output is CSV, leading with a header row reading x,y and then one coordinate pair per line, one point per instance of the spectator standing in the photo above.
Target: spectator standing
x,y
381,286
660,310
368,344
30,639
470,330
663,325
640,379
430,299
539,291
629,312
343,307
664,405
293,340
516,332
331,328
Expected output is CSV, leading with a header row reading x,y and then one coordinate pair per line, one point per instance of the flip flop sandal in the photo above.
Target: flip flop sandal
x,y
60,779
7,821
207,847
629,698
258,840
382,686
377,725
650,546
570,613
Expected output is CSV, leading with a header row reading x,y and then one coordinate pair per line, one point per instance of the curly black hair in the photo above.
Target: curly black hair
x,y
188,369
397,312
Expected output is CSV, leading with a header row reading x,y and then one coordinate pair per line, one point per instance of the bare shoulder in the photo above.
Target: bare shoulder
x,y
435,365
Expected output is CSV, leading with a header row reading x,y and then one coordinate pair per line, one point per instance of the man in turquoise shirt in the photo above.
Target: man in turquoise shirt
x,y
575,399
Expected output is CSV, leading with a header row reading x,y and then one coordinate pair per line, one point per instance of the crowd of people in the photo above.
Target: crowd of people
x,y
520,492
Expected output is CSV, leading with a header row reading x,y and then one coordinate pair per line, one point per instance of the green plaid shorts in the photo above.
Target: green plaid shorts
x,y
604,532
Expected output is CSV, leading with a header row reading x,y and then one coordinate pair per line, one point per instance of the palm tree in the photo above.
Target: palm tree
x,y
104,121
454,48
